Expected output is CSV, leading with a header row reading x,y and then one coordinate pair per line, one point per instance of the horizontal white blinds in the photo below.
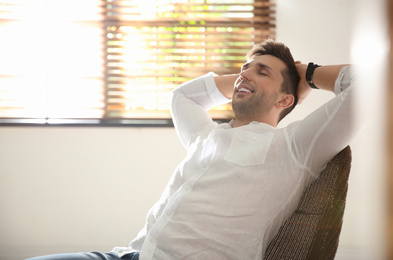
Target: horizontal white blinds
x,y
118,59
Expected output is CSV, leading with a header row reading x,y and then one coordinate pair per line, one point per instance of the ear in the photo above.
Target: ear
x,y
286,100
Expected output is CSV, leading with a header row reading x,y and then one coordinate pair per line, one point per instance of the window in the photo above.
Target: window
x,y
116,61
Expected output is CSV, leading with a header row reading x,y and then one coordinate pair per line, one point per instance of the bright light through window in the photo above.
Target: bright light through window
x,y
51,65
117,59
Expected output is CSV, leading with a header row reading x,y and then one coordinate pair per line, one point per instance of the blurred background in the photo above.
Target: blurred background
x,y
88,188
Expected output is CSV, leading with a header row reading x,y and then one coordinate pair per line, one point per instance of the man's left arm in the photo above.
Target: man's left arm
x,y
326,131
324,78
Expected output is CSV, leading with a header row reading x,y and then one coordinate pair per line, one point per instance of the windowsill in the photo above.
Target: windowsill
x,y
123,122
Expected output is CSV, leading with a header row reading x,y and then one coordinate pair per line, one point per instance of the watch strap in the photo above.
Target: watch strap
x,y
310,73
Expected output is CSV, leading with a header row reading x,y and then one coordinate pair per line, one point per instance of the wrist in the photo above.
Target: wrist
x,y
310,74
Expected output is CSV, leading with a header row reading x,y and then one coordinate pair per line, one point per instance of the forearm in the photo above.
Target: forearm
x,y
325,76
190,103
226,84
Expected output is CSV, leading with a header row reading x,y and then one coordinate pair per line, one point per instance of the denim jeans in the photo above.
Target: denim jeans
x,y
87,256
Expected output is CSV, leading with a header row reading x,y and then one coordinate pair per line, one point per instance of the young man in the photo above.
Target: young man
x,y
241,180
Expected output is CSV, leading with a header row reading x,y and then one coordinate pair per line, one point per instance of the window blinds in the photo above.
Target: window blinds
x,y
118,59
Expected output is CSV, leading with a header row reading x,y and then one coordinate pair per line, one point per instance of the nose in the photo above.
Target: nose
x,y
244,75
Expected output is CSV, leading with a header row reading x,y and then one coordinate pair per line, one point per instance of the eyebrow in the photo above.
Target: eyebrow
x,y
264,66
260,65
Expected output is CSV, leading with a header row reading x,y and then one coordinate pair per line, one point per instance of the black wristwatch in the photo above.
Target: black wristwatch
x,y
310,73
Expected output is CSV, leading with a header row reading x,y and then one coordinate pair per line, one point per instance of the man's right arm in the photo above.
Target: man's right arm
x,y
190,103
226,84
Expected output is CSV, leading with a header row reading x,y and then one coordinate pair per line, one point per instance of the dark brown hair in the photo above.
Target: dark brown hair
x,y
290,74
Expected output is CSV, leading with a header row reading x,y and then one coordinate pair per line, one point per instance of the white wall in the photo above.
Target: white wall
x,y
66,189
349,31
76,189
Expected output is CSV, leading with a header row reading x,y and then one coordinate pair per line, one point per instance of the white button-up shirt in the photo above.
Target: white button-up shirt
x,y
236,186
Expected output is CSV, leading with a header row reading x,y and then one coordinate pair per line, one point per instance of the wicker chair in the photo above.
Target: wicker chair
x,y
313,231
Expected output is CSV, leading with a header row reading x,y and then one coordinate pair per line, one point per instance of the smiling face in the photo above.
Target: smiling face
x,y
258,88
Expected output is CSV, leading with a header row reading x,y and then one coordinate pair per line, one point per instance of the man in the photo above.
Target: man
x,y
241,180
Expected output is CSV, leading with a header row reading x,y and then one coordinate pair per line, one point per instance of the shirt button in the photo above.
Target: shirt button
x,y
253,138
152,240
187,188
169,213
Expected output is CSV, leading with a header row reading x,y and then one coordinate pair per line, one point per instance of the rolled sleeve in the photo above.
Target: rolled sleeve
x,y
344,80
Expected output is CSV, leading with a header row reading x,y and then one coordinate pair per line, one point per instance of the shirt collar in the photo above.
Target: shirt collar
x,y
252,123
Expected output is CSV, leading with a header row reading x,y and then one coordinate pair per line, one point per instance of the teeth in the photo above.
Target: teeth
x,y
244,90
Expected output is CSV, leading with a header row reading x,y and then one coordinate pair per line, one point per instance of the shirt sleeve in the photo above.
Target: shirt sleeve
x,y
189,105
325,132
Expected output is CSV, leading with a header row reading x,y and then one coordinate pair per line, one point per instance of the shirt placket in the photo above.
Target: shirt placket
x,y
152,238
